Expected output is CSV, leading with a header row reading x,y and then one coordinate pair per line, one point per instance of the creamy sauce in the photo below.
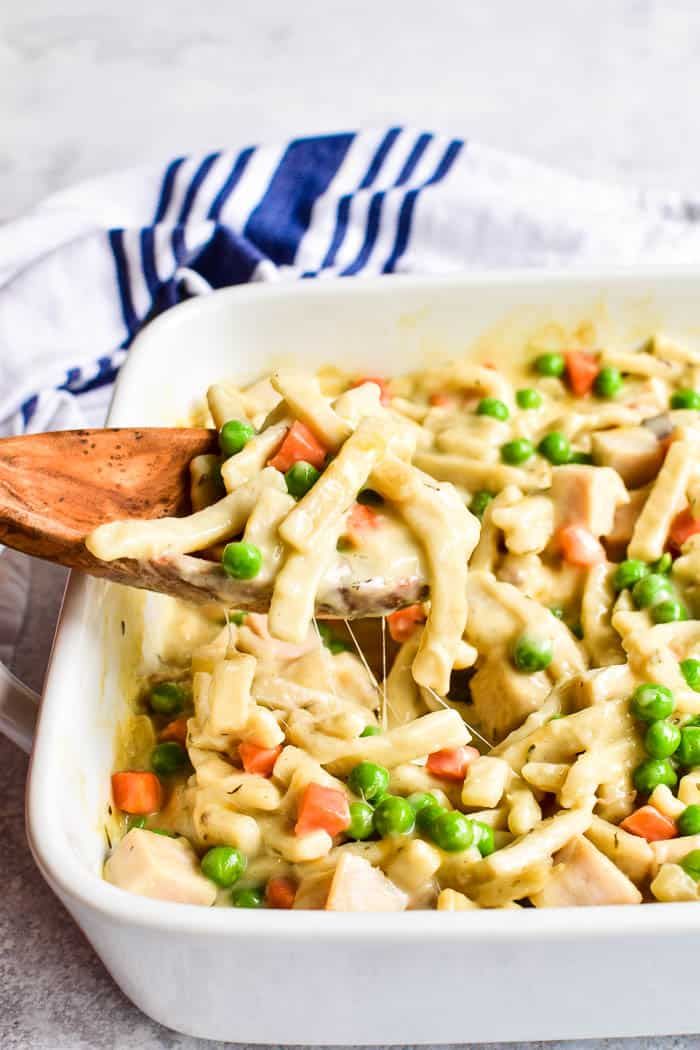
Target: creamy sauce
x,y
514,494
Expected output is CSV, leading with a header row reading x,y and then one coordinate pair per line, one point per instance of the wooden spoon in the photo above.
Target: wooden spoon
x,y
56,488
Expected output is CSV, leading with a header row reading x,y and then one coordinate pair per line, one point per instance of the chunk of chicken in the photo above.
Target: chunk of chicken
x,y
358,886
634,452
158,866
597,686
582,875
503,697
587,496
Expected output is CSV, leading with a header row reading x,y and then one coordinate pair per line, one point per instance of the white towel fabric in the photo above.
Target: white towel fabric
x,y
82,273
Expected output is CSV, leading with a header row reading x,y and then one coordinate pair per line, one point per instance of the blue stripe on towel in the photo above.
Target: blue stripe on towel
x,y
193,188
377,203
148,260
167,187
345,202
234,177
104,375
278,223
403,231
28,408
116,240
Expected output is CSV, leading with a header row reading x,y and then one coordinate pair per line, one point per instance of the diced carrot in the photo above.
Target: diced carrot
x,y
280,892
322,808
259,760
581,369
683,526
649,824
136,792
299,444
383,384
451,763
360,519
579,546
175,730
443,400
403,622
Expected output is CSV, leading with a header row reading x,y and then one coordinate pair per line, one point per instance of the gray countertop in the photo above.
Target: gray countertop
x,y
608,92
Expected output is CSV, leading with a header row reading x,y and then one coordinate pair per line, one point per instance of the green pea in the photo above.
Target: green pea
x,y
167,698
691,864
555,447
517,451
427,814
628,573
652,702
688,753
421,800
135,822
608,382
486,842
686,399
491,406
234,436
371,731
689,821
690,669
361,821
394,816
370,498
669,611
550,364
238,618
331,640
368,780
163,831
581,457
452,831
242,561
528,398
652,772
651,590
300,478
532,654
224,865
662,564
167,758
662,739
249,898
479,503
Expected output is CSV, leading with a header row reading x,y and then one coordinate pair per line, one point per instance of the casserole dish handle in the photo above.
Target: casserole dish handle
x,y
19,706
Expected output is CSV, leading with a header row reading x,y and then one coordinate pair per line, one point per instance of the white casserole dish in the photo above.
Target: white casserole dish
x,y
312,977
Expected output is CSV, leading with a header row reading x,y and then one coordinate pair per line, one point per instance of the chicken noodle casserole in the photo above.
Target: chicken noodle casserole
x,y
521,729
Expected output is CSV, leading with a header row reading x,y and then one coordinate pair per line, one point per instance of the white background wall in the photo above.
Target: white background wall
x,y
607,88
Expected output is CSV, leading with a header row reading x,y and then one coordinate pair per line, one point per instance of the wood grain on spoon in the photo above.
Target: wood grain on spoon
x,y
56,488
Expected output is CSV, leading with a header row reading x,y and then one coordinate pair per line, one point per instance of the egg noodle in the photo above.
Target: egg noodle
x,y
529,735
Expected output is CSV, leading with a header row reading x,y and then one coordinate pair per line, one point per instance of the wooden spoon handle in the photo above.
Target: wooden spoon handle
x,y
55,488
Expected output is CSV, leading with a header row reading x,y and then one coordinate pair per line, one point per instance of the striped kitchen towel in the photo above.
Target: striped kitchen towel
x,y
82,274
